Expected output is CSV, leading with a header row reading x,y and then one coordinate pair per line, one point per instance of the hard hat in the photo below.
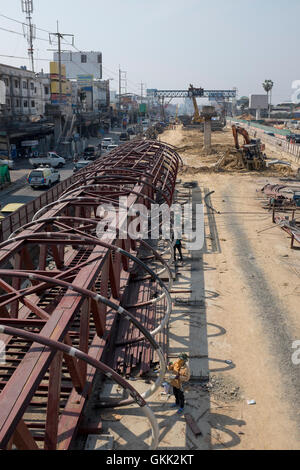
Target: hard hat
x,y
184,357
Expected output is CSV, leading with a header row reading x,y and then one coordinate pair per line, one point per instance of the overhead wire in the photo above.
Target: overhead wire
x,y
133,88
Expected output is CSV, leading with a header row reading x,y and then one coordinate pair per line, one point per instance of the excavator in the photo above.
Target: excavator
x,y
252,151
193,92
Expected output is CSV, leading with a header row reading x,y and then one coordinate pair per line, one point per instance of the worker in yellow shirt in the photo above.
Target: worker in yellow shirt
x,y
183,375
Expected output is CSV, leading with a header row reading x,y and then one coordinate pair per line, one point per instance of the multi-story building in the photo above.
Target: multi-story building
x,y
65,99
90,95
24,94
45,89
79,63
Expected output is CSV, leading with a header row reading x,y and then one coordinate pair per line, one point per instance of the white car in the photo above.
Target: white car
x,y
106,142
112,147
81,164
43,177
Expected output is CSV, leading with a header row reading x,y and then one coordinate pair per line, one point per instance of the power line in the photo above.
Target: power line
x,y
116,74
18,57
60,36
24,24
134,87
23,35
11,31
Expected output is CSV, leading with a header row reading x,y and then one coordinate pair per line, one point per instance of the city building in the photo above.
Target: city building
x,y
89,94
78,63
45,90
63,96
24,94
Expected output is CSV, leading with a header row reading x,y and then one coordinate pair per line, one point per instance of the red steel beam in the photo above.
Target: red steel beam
x,y
145,171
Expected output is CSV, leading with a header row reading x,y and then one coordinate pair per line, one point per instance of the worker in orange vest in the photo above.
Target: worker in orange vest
x,y
183,375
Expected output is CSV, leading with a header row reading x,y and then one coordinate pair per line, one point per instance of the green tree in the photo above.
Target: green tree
x,y
268,86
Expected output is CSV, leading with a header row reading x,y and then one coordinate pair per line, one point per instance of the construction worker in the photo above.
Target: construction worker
x,y
183,375
178,247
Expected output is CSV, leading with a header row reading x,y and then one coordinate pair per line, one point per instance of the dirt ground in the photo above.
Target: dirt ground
x,y
237,318
189,144
254,316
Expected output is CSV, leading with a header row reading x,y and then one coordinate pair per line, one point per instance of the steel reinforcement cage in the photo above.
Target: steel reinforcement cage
x,y
72,303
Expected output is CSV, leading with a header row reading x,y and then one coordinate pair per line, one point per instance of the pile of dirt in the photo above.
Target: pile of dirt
x,y
246,117
223,389
218,161
222,158
192,170
282,170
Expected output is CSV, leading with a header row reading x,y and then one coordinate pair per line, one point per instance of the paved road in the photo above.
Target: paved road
x,y
21,192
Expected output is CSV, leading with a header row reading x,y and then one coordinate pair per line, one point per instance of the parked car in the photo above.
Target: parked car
x,y
106,142
9,209
124,137
52,159
297,139
271,134
81,164
43,177
91,152
294,138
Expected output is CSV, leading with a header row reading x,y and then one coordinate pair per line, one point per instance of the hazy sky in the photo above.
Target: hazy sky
x,y
171,43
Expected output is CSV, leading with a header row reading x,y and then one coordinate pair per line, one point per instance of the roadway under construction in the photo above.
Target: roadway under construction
x,y
73,304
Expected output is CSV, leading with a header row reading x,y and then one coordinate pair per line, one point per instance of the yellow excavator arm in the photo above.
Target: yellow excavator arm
x,y
197,118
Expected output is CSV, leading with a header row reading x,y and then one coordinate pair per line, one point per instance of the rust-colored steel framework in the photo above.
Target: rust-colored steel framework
x,y
284,206
72,303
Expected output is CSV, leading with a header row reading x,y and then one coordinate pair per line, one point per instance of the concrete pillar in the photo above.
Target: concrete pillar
x,y
207,135
207,113
258,114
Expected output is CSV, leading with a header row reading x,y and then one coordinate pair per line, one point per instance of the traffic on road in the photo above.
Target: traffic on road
x,y
31,177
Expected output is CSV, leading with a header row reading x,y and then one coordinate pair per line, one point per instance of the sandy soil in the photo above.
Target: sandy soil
x,y
189,144
236,313
255,278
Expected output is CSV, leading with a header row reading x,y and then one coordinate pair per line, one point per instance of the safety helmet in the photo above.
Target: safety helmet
x,y
184,357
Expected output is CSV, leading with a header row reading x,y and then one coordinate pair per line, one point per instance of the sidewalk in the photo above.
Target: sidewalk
x,y
14,186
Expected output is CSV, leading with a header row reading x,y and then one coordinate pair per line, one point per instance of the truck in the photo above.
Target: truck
x,y
43,177
92,152
52,160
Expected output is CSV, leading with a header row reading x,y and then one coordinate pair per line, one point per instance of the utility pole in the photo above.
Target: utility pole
x,y
120,81
58,119
59,37
27,8
122,84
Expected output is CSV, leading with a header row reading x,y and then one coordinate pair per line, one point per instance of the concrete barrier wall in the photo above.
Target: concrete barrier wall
x,y
25,214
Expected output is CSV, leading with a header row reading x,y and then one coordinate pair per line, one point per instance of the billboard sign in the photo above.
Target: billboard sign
x,y
85,80
258,102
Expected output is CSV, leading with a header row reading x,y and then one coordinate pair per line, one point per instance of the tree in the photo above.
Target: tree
x,y
268,86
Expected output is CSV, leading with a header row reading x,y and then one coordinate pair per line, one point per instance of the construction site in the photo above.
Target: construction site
x,y
149,237
90,323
